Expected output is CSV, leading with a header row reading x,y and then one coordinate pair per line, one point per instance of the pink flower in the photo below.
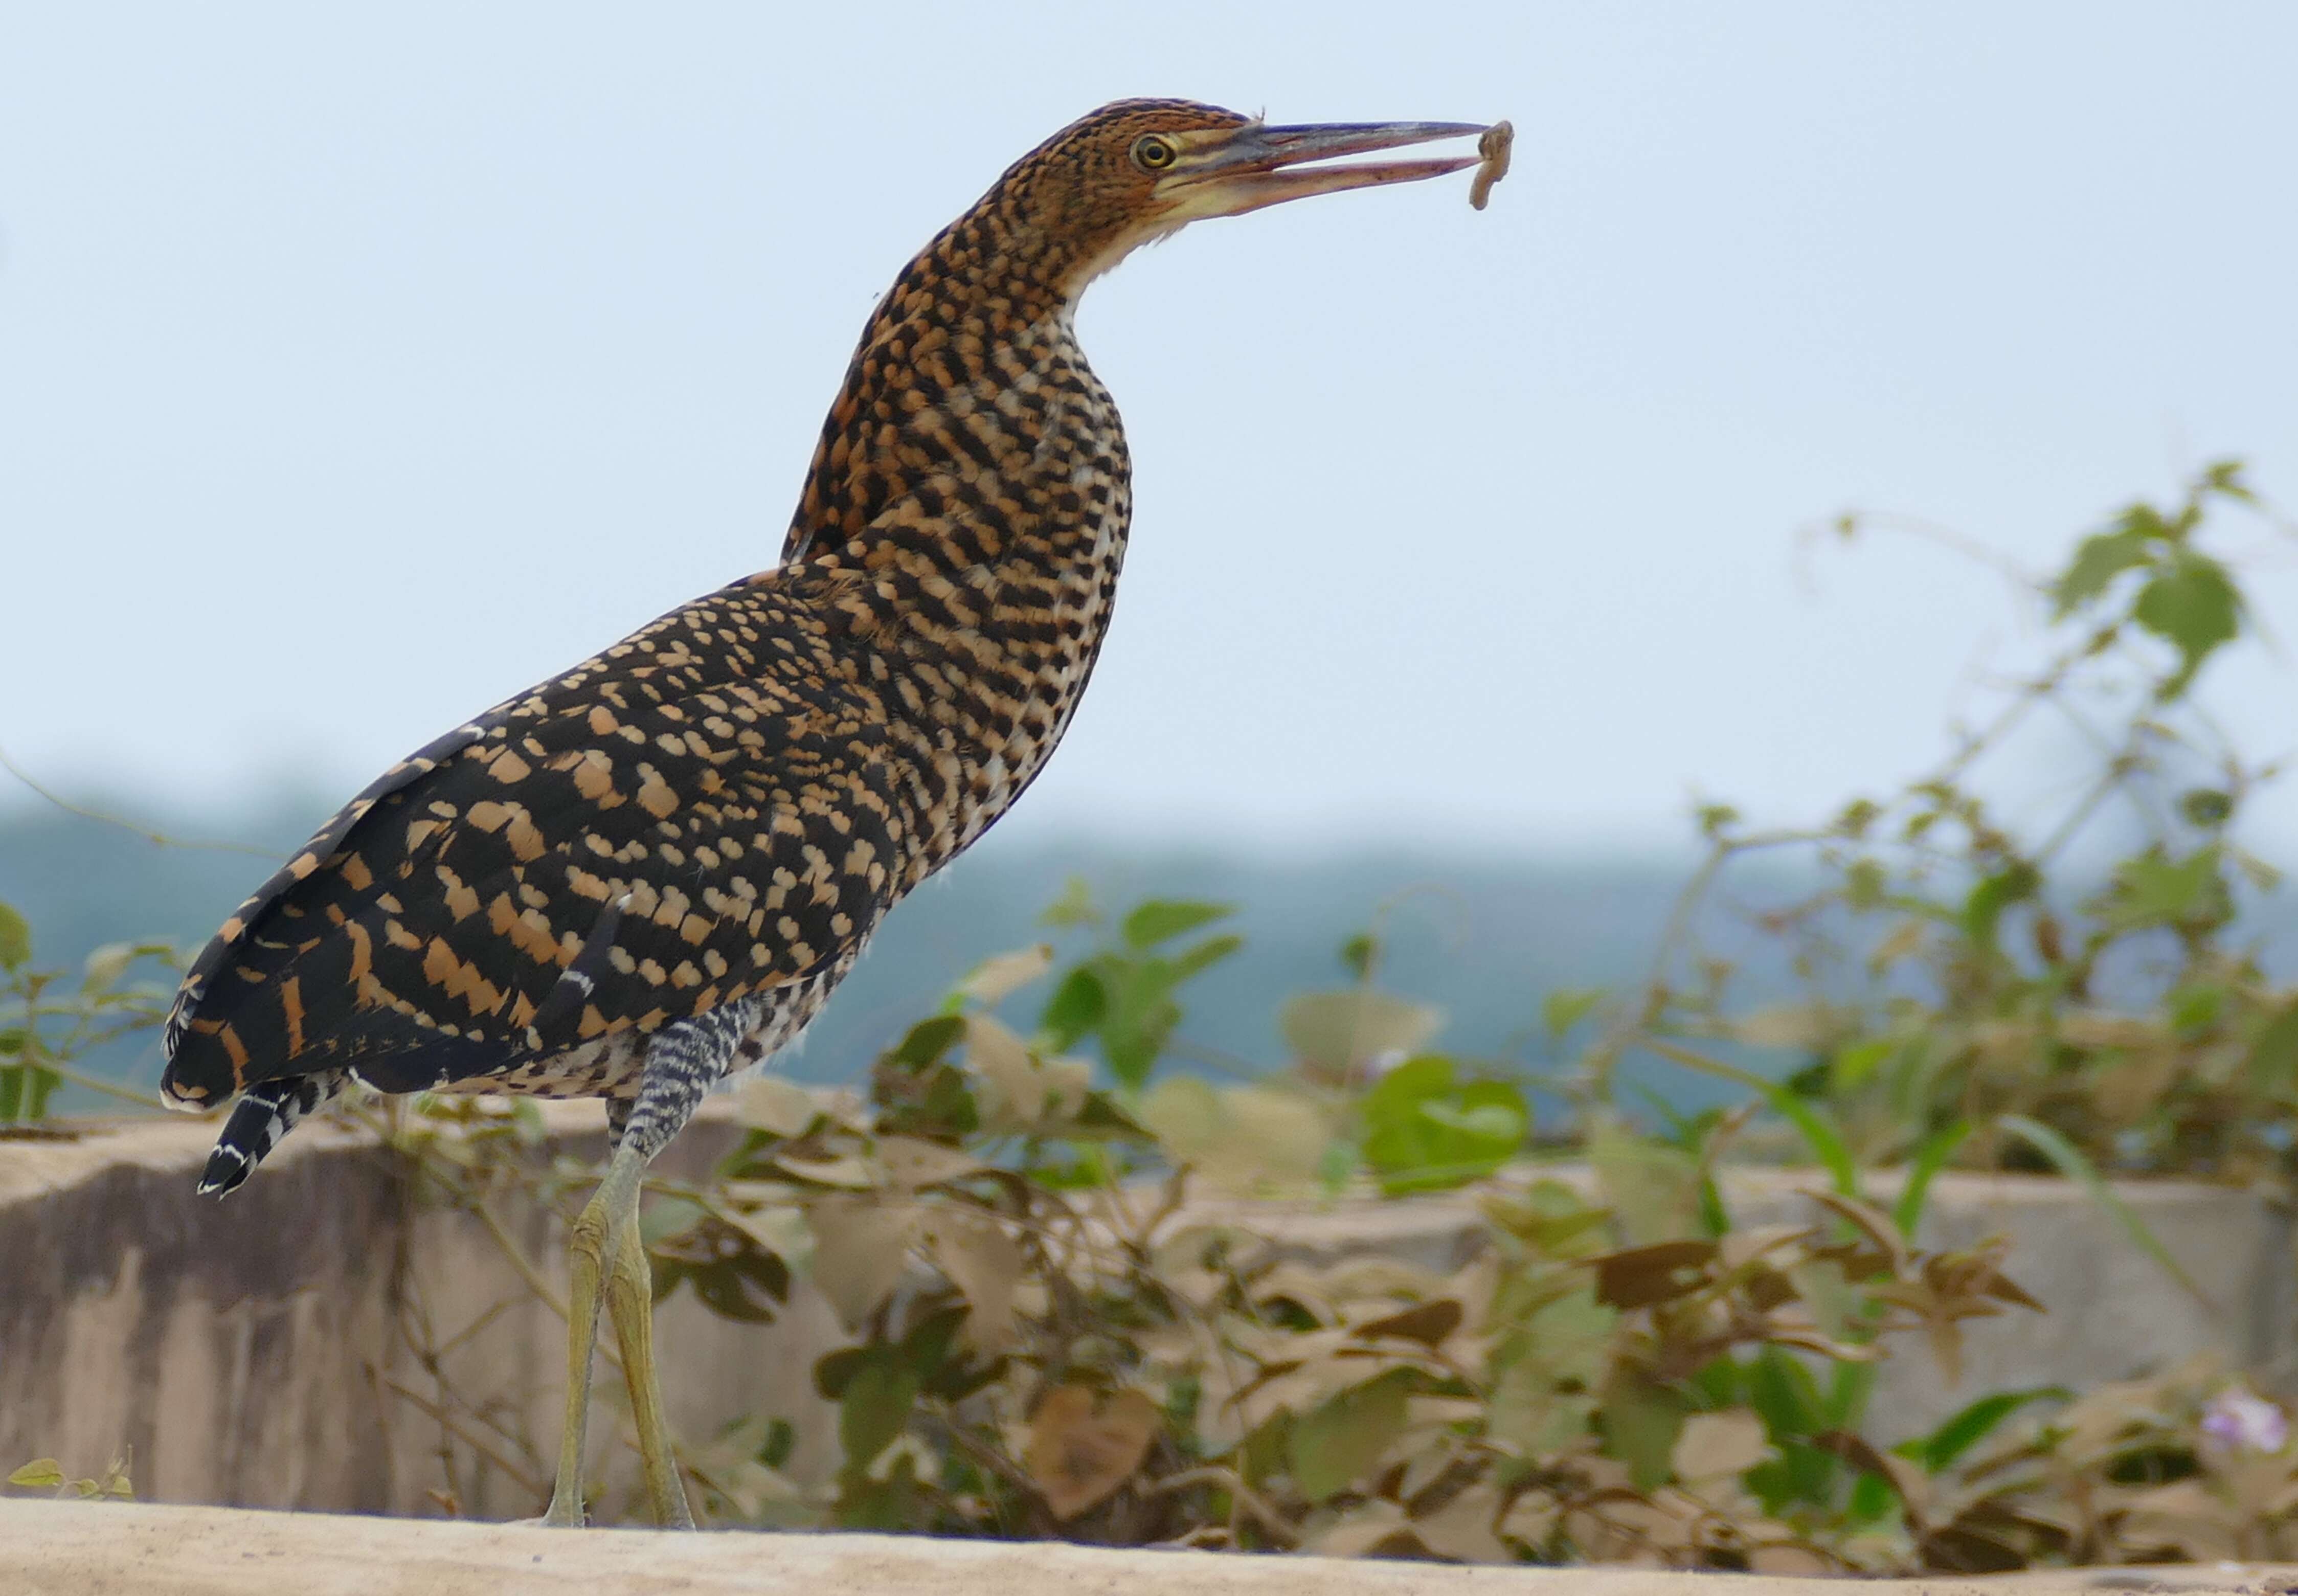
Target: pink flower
x,y
2240,1420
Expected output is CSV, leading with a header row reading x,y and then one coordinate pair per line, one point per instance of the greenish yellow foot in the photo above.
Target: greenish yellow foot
x,y
608,1258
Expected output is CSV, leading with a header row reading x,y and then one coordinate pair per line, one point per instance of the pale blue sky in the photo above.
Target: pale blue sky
x,y
359,366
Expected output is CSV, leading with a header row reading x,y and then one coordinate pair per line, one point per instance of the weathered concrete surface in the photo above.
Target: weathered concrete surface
x,y
73,1548
257,1351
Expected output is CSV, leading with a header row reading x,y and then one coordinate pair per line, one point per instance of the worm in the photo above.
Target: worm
x,y
1494,146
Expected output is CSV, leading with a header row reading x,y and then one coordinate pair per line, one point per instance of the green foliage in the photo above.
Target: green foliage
x,y
46,1474
2002,985
1424,1130
1062,1321
48,1019
1053,1337
1124,998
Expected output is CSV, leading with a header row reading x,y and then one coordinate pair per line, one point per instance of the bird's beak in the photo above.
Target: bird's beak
x,y
1230,173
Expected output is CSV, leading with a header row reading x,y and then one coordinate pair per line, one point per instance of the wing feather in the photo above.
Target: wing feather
x,y
705,810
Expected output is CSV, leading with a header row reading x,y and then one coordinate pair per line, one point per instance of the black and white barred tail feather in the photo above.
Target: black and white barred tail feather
x,y
269,1112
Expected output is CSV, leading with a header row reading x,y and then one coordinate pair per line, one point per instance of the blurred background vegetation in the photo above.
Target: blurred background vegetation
x,y
1054,1064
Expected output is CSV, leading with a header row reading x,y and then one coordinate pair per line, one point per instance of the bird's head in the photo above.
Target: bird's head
x,y
1138,170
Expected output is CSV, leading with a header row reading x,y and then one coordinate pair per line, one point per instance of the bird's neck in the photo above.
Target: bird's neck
x,y
962,527
969,421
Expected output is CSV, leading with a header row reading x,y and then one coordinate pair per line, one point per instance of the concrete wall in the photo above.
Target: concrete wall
x,y
248,1350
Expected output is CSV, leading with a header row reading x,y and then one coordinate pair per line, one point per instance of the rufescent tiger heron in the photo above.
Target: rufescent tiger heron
x,y
645,874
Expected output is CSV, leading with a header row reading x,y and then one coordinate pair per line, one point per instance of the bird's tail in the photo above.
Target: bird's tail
x,y
269,1112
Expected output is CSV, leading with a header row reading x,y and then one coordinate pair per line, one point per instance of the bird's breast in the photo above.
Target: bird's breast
x,y
977,532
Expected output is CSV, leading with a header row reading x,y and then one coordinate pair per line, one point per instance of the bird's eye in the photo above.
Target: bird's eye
x,y
1152,153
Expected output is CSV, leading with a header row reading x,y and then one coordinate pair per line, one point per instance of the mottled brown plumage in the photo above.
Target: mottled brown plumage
x,y
651,870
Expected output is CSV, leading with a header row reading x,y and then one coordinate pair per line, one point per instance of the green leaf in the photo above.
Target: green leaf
x,y
2225,478
1642,1420
1074,1011
1855,1063
875,1409
2192,605
1782,1390
1337,1443
927,1041
2274,1057
1930,1158
1425,1132
1359,955
1813,1123
1826,1143
1982,911
1073,907
1962,1431
1142,1014
1193,961
2068,1161
2152,889
41,1474
15,938
2101,559
1566,1006
1849,1389
2206,808
1161,919
2194,1008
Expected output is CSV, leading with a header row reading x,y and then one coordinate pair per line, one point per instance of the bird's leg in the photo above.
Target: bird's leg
x,y
629,1299
608,1253
594,1241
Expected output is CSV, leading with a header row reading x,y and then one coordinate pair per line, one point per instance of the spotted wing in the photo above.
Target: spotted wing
x,y
703,811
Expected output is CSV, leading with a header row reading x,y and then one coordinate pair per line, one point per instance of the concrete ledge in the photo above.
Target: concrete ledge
x,y
79,1549
255,1352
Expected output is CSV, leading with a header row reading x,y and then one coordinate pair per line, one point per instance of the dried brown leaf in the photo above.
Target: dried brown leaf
x,y
912,1162
1377,1529
1001,975
1331,1034
1002,1060
1462,1530
1427,1323
1912,1484
1870,1222
775,1105
1715,1445
985,1264
861,1246
1639,1277
850,1171
1083,1447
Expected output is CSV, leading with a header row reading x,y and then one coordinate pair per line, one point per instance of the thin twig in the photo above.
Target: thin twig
x,y
146,832
1226,1479
448,1422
